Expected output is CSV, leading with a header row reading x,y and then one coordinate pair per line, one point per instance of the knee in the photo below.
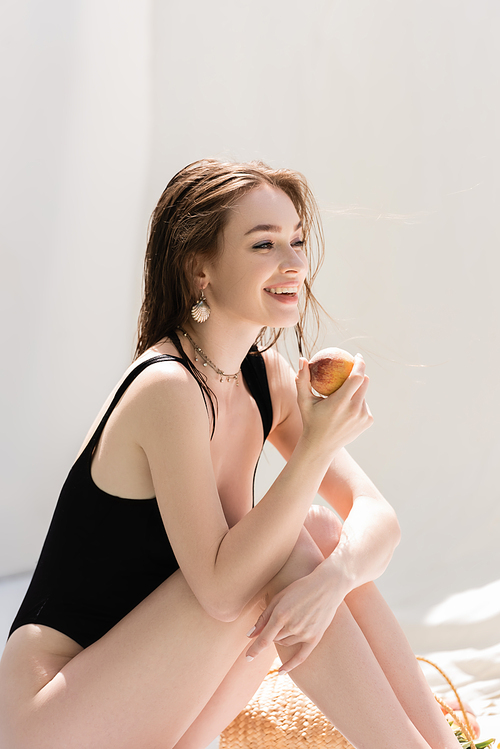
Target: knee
x,y
324,527
304,558
318,538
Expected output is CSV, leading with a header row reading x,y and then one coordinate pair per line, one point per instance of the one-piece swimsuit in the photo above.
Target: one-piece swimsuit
x,y
104,554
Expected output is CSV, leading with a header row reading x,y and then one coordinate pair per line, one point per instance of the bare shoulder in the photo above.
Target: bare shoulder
x,y
167,395
169,421
163,375
280,374
160,385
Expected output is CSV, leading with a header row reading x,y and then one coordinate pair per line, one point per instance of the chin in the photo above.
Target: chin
x,y
284,318
285,321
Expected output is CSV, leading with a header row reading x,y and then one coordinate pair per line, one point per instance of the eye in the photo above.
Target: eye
x,y
264,245
298,243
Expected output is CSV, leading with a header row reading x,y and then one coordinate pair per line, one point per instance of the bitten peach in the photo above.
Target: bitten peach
x,y
329,368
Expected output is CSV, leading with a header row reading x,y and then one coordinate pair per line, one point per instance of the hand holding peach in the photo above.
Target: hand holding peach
x,y
329,369
333,422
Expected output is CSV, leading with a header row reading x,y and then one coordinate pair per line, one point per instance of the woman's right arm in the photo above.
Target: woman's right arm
x,y
226,567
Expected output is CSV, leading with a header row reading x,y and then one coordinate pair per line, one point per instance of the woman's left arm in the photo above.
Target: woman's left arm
x,y
371,530
369,536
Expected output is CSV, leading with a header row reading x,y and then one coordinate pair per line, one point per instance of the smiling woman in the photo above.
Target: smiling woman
x,y
157,566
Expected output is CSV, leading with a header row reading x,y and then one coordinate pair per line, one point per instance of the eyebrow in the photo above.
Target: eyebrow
x,y
270,227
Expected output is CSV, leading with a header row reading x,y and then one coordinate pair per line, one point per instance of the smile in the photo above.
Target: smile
x,y
288,295
288,290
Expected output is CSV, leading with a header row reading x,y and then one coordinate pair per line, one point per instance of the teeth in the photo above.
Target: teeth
x,y
284,290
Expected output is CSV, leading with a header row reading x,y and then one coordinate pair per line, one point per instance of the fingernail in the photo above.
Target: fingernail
x,y
282,673
301,364
249,658
249,634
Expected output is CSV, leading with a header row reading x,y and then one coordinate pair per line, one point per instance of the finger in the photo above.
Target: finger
x,y
359,365
259,624
299,657
360,393
358,400
265,616
287,640
355,380
303,380
265,639
260,644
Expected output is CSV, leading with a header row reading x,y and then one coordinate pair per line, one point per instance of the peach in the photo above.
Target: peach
x,y
329,368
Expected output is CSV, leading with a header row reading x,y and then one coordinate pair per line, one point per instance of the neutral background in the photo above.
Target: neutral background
x,y
392,111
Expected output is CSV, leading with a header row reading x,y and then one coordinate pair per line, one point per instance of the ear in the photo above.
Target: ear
x,y
200,281
200,273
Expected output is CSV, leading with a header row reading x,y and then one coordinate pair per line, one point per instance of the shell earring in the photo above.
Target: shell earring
x,y
200,311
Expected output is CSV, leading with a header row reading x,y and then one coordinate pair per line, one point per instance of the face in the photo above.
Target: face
x,y
259,272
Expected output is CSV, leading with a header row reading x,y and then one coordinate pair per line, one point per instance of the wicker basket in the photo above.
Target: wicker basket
x,y
280,716
462,723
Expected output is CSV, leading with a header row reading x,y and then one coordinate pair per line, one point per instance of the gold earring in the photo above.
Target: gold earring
x,y
200,311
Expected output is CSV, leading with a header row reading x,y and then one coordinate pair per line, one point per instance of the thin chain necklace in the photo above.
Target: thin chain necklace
x,y
197,350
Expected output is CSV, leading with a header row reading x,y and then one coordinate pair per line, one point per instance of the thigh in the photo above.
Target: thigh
x,y
146,681
318,539
229,700
141,685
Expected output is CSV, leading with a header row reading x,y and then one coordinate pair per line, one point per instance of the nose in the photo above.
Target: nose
x,y
292,261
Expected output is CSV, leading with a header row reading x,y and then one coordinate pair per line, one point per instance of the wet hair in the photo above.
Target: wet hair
x,y
186,227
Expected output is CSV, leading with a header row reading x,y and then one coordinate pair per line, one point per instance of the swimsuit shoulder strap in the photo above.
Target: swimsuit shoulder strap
x,y
255,374
123,387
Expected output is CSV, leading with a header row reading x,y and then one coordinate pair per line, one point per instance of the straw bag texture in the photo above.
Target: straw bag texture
x,y
280,716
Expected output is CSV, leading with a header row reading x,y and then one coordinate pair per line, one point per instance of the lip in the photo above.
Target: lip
x,y
284,285
284,298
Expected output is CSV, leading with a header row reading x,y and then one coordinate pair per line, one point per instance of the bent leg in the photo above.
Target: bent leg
x,y
392,650
229,700
345,680
143,684
363,674
244,678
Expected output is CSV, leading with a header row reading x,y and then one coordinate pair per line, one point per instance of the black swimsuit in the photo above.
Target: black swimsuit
x,y
104,554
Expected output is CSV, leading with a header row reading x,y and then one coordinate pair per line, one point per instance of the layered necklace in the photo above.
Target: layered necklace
x,y
206,361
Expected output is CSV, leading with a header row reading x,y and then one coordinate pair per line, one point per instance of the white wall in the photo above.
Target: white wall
x,y
75,141
391,109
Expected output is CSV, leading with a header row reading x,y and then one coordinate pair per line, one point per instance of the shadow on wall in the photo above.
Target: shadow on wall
x,y
467,619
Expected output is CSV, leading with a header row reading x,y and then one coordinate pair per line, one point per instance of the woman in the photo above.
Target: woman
x,y
157,568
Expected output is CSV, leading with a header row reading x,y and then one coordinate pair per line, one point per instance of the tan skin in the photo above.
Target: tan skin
x,y
175,671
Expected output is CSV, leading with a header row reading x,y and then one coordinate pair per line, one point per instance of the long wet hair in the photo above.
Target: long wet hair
x,y
186,227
